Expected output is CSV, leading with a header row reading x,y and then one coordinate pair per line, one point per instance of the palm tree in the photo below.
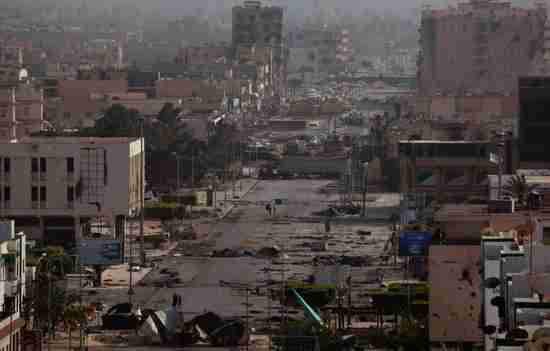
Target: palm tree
x,y
517,188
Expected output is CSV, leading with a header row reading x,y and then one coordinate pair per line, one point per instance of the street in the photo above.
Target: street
x,y
215,283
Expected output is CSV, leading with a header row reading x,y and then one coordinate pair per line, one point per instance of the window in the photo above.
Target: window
x,y
3,112
70,164
7,165
34,193
70,193
26,111
7,193
34,165
43,194
43,168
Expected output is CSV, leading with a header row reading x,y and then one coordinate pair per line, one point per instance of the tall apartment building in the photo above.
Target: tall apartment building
x,y
479,47
21,110
55,187
262,26
254,24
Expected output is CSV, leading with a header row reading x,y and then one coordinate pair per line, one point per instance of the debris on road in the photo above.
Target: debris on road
x,y
330,260
269,252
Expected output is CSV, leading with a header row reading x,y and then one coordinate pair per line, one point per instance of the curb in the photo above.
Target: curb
x,y
228,211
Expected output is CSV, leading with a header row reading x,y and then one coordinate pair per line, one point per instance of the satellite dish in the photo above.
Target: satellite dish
x,y
491,283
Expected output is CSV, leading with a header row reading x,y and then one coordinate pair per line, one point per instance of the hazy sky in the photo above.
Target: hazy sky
x,y
296,7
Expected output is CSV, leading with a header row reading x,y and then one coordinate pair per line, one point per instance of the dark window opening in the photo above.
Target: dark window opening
x,y
43,167
70,165
7,165
43,193
34,165
7,193
34,194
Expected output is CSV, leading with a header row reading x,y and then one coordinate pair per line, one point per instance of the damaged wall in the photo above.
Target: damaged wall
x,y
454,271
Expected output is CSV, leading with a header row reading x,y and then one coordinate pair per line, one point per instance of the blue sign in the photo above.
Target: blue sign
x,y
414,243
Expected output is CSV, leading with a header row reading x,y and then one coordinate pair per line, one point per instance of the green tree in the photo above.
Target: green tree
x,y
518,188
49,298
116,121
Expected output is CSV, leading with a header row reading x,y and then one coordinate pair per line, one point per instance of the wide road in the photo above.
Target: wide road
x,y
248,227
209,283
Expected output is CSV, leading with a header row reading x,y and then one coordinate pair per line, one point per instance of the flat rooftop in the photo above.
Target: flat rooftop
x,y
73,140
444,142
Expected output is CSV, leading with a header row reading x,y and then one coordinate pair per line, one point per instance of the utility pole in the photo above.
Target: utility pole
x,y
131,282
142,194
49,303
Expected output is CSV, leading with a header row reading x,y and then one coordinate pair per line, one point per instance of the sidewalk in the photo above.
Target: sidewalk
x,y
120,275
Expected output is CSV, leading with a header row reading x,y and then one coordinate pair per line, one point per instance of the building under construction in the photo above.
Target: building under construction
x,y
488,44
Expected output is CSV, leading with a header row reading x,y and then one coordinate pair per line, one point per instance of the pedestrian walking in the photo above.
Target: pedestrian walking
x,y
268,209
274,210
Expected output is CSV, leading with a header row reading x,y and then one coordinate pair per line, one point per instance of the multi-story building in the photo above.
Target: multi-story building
x,y
21,110
534,100
479,47
445,170
262,26
254,24
54,187
12,285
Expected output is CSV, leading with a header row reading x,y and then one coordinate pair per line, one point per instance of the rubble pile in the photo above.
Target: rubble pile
x,y
353,261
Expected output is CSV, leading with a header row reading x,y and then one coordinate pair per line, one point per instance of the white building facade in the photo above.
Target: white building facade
x,y
54,187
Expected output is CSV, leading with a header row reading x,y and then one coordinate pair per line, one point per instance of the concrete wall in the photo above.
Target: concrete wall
x,y
77,101
454,319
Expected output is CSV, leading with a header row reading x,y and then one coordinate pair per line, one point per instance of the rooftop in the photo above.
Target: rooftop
x,y
72,140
